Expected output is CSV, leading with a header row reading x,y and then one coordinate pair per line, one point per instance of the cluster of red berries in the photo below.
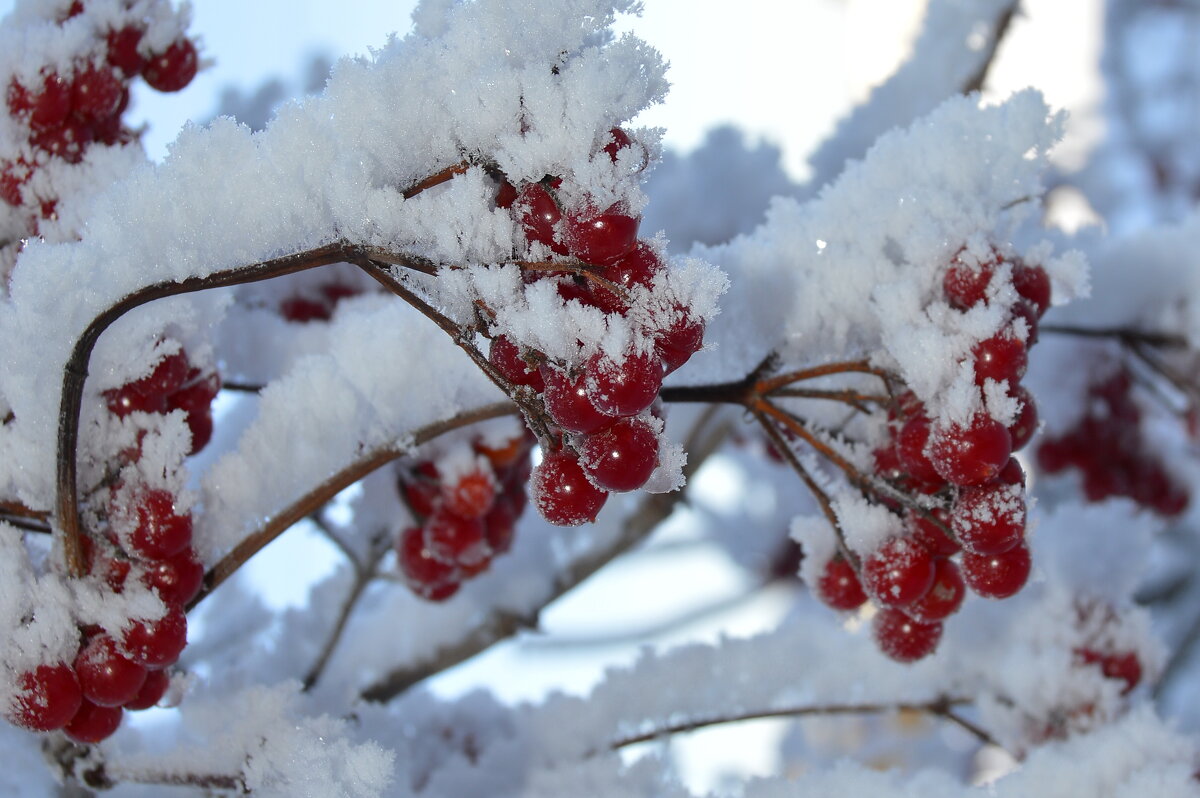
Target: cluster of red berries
x,y
174,384
318,305
610,441
464,521
970,469
65,113
1107,446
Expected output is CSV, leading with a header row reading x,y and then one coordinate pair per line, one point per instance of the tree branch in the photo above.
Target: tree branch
x,y
976,81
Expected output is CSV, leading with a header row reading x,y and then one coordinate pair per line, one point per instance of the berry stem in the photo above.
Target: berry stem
x,y
765,387
436,179
1125,335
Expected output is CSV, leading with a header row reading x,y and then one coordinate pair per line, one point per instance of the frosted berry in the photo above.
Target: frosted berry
x,y
944,598
682,339
177,579
106,677
149,394
1033,284
454,539
997,575
46,698
932,536
619,140
96,93
622,456
123,50
540,216
160,533
568,403
626,388
173,68
471,494
899,572
965,286
157,643
636,268
1125,667
561,492
93,723
1001,357
904,639
1022,429
989,519
970,454
153,689
839,587
426,575
505,356
911,444
601,238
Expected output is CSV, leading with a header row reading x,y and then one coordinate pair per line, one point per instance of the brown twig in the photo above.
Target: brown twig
x,y
976,81
447,174
322,493
501,625
940,707
1125,335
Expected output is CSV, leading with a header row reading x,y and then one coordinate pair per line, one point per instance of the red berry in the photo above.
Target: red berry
x,y
471,496
149,394
626,388
195,399
904,639
899,572
153,689
51,106
622,456
997,575
932,536
106,677
96,93
911,442
638,267
1025,425
540,216
454,539
839,587
500,525
173,68
93,723
681,340
13,175
426,575
505,356
568,403
619,141
965,286
68,141
157,643
46,699
972,454
1001,357
506,195
1027,313
601,238
944,598
1126,667
561,492
1033,284
176,579
989,519
303,310
159,533
123,50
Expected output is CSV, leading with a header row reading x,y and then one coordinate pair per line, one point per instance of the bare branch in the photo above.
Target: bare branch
x,y
976,81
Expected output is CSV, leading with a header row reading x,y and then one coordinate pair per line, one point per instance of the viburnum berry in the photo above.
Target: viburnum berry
x,y
561,492
619,140
944,598
123,50
1033,285
1022,429
454,539
107,677
471,494
93,723
1001,357
505,356
989,519
931,535
427,576
965,286
838,586
173,68
902,638
177,579
95,93
195,399
153,689
970,454
638,267
997,576
500,524
601,238
911,444
622,456
149,394
46,698
678,342
540,216
160,533
1125,667
569,404
156,643
897,573
626,388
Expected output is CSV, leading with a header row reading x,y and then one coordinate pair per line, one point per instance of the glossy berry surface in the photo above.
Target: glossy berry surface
x,y
1033,285
160,533
153,689
157,643
427,576
997,576
172,69
899,572
989,519
911,444
839,587
965,286
944,598
46,699
626,388
676,344
1022,429
455,539
569,403
929,534
93,723
601,238
970,454
622,456
540,216
106,677
1001,358
561,493
176,579
903,639
506,357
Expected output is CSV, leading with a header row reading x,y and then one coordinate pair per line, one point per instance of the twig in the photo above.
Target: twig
x,y
939,707
767,386
317,497
447,174
1125,335
502,625
976,81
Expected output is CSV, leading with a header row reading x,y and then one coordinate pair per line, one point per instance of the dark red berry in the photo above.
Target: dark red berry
x,y
93,723
932,536
970,454
540,216
944,598
1001,357
160,533
839,587
636,268
619,140
500,524
965,286
426,575
997,575
123,50
454,539
601,238
989,519
106,677
505,356
1033,284
46,698
303,310
626,388
911,443
176,579
899,572
51,106
562,494
96,93
157,643
682,339
153,689
1022,429
902,638
620,457
149,394
173,68
568,403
